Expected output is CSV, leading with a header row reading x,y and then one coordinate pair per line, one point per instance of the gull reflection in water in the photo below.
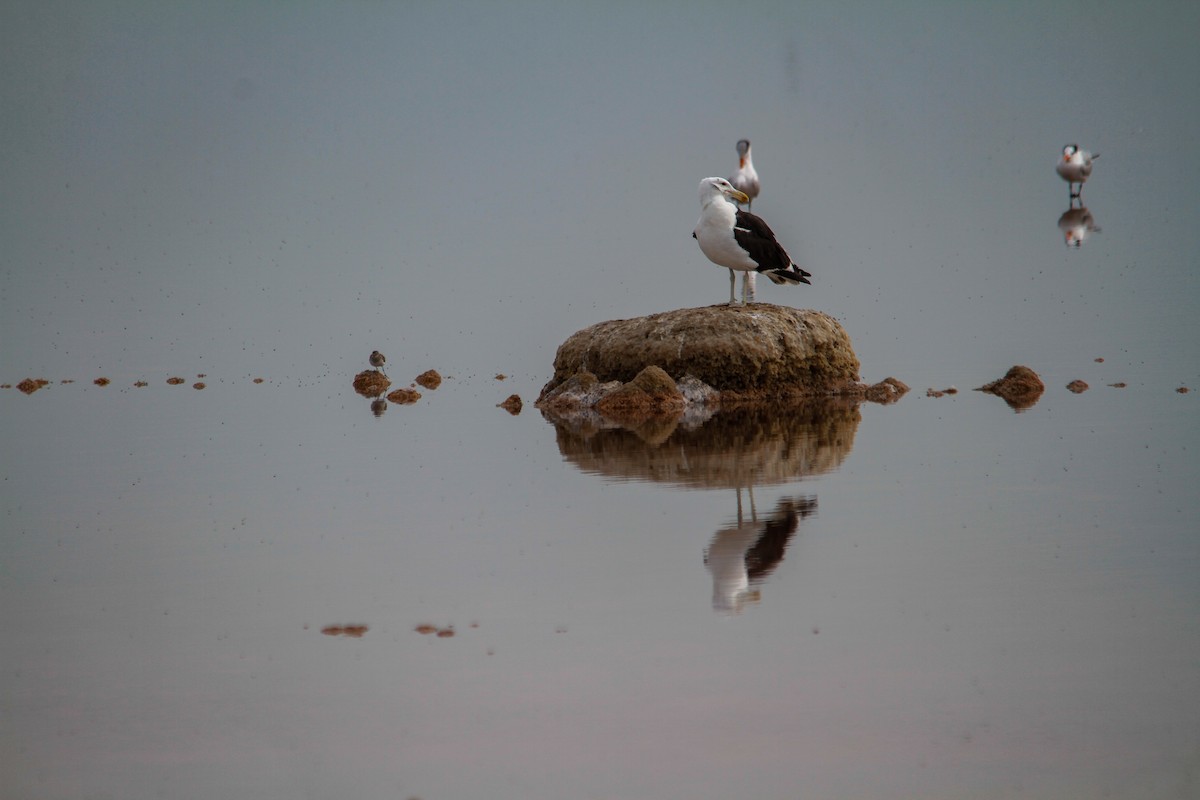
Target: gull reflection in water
x,y
1076,224
743,555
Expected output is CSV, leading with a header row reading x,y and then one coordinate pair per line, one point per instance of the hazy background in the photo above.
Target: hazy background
x,y
274,187
984,604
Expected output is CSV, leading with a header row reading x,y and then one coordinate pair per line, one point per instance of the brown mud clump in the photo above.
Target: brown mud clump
x,y
512,405
31,385
1119,385
404,397
353,631
176,381
258,380
1020,388
430,379
141,384
887,391
1183,390
500,376
1077,386
102,381
198,385
652,391
371,383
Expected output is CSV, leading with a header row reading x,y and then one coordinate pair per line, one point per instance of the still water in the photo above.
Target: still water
x,y
267,590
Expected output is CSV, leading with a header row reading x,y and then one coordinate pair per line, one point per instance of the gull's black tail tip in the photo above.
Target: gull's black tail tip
x,y
790,276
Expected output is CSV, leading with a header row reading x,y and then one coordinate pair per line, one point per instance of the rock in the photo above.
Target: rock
x,y
751,352
888,390
1077,386
652,391
512,405
696,392
430,379
404,397
371,383
1020,388
581,390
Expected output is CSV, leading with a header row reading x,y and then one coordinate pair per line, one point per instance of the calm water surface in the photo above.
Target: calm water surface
x,y
222,593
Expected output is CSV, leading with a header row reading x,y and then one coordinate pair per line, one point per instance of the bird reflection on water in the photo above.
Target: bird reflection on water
x,y
741,557
1076,224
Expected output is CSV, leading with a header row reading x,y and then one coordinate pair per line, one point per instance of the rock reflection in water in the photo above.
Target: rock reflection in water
x,y
736,448
742,556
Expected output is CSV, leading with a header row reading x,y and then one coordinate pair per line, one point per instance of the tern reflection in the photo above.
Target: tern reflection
x,y
742,556
1076,224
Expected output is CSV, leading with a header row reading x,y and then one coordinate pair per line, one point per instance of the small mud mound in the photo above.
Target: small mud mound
x,y
198,385
1020,388
1077,386
430,379
404,397
652,391
176,381
888,390
371,383
512,405
353,631
102,381
31,385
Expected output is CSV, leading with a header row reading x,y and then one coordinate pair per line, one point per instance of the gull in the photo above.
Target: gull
x,y
739,240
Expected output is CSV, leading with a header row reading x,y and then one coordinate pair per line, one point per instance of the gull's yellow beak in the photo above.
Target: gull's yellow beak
x,y
741,197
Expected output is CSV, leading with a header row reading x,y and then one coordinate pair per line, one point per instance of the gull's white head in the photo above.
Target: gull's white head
x,y
713,188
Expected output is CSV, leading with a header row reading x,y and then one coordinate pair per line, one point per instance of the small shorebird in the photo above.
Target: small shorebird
x,y
377,361
1074,167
